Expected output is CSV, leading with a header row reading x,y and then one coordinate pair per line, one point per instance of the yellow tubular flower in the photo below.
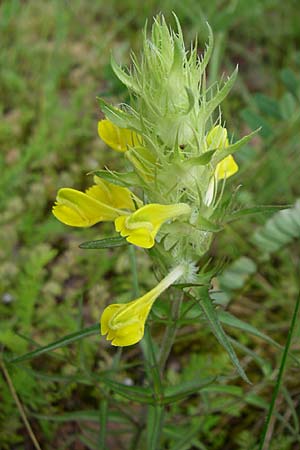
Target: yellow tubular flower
x,y
117,138
141,227
124,323
217,138
99,203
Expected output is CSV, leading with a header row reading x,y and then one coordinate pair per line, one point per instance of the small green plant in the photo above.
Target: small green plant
x,y
169,202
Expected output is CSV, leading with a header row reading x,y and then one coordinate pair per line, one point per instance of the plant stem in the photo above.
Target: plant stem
x,y
280,375
170,333
155,423
133,266
155,413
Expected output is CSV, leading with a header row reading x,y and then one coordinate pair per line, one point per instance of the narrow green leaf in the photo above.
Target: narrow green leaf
x,y
66,340
211,315
77,378
134,393
265,365
117,241
125,179
208,51
191,99
125,78
221,154
117,116
82,416
179,52
236,391
228,319
211,105
202,160
183,390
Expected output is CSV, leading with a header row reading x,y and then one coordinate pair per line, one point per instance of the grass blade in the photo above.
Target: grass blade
x,y
66,340
280,375
117,241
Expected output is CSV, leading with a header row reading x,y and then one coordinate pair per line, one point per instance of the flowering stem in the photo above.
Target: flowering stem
x,y
155,414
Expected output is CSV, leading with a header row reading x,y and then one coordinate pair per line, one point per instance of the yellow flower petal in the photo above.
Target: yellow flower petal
x,y
117,138
217,139
141,227
101,202
78,209
115,196
141,238
226,168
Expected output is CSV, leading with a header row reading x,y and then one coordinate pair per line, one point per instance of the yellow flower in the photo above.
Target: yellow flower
x,y
124,323
117,138
217,138
102,202
226,168
141,227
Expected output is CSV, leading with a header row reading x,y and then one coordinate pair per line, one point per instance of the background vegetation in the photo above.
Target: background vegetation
x,y
54,61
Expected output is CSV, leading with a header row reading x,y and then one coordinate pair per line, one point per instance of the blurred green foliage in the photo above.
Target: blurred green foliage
x,y
54,61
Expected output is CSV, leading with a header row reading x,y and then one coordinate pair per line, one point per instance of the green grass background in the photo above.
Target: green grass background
x,y
54,61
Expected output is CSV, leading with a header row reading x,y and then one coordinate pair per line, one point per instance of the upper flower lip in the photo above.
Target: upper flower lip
x,y
117,138
79,209
102,202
